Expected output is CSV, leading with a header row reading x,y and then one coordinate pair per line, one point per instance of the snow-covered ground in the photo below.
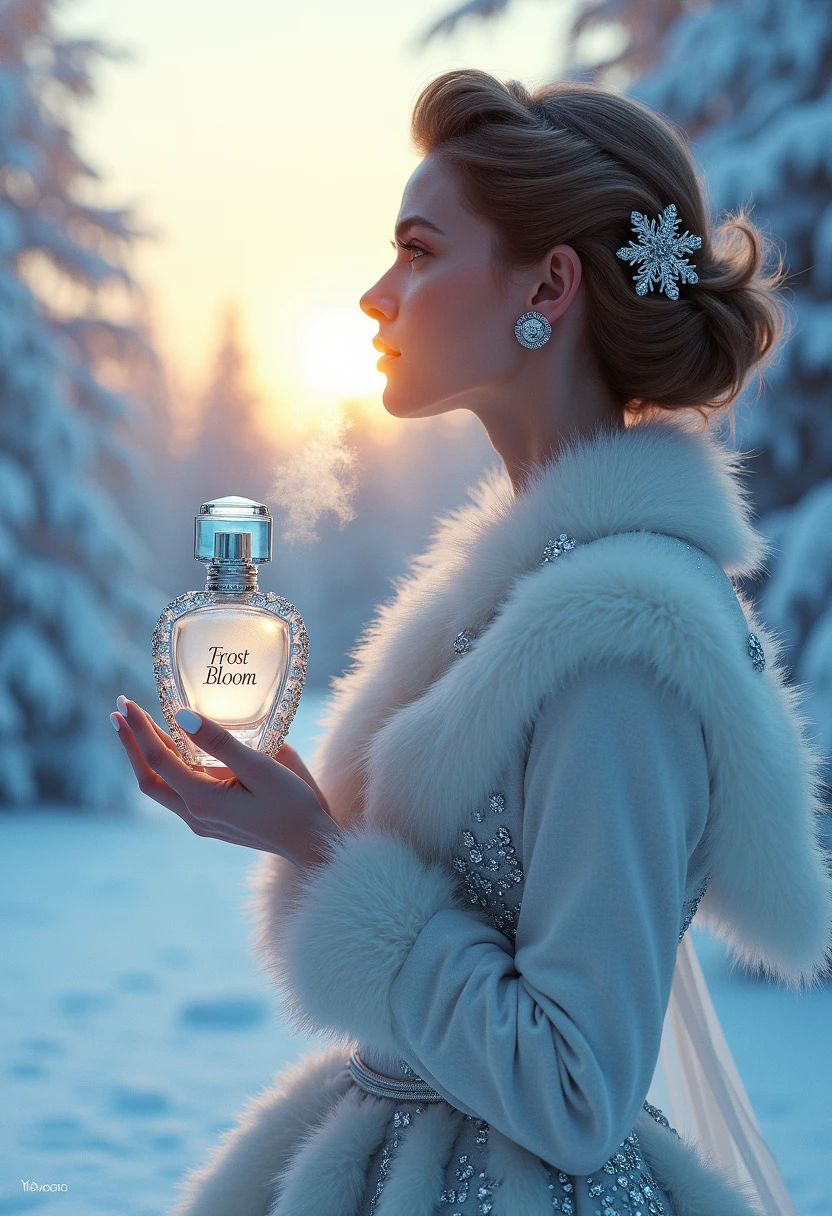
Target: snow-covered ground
x,y
134,1020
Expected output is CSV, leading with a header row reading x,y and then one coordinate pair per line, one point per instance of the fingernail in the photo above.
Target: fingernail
x,y
121,702
115,722
188,720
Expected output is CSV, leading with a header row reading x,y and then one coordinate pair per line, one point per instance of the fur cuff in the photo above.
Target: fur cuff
x,y
695,1186
335,935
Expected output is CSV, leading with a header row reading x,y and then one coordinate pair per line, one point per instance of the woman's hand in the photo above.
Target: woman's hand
x,y
256,801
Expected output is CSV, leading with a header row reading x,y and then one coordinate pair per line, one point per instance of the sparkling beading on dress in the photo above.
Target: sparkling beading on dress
x,y
624,1186
491,874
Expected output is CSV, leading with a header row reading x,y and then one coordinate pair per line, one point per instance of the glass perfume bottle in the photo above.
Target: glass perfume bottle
x,y
231,652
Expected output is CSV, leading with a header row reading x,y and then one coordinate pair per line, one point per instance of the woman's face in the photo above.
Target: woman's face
x,y
446,327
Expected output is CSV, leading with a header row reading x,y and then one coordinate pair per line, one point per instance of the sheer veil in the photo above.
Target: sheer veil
x,y
697,1084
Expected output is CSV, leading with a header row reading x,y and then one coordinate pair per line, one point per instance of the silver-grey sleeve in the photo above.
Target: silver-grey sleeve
x,y
554,1043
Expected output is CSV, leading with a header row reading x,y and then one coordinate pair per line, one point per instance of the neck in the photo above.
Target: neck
x,y
526,442
553,399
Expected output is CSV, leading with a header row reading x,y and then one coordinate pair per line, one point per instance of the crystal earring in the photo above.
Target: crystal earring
x,y
532,330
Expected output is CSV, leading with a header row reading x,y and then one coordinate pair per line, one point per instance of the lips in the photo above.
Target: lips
x,y
383,348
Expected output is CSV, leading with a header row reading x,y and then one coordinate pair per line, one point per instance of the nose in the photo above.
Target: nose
x,y
378,302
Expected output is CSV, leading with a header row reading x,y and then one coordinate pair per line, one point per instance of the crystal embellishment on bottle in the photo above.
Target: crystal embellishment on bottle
x,y
232,652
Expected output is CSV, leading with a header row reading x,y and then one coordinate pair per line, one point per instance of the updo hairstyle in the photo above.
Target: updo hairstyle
x,y
567,164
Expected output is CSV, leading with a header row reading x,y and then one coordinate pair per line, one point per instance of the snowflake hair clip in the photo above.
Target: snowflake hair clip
x,y
660,251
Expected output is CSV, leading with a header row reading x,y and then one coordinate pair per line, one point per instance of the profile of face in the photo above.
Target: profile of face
x,y
446,322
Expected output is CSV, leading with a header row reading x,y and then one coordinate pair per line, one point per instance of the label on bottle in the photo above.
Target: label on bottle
x,y
231,661
225,667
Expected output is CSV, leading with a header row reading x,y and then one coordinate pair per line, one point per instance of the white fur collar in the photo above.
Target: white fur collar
x,y
656,477
400,748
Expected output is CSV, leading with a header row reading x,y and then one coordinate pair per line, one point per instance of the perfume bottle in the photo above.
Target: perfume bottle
x,y
231,652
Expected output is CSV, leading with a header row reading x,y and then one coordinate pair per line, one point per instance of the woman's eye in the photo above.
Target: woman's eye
x,y
413,249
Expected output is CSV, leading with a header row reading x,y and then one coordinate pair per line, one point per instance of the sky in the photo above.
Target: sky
x,y
267,145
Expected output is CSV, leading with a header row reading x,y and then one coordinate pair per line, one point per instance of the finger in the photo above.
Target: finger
x,y
150,783
166,763
163,735
154,787
247,765
291,759
121,702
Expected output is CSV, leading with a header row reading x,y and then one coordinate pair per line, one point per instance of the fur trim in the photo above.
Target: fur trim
x,y
523,1183
417,1171
400,755
654,476
625,597
328,1173
346,932
240,1175
694,1186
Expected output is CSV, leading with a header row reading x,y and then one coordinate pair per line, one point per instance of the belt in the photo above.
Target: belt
x,y
402,1088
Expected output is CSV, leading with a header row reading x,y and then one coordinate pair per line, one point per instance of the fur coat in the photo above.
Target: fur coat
x,y
618,558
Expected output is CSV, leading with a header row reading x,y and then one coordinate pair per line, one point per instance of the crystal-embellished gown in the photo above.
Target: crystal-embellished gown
x,y
616,743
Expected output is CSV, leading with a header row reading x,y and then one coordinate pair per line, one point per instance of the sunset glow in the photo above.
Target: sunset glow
x,y
337,355
260,152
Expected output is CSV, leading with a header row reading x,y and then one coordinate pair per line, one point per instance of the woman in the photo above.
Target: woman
x,y
562,734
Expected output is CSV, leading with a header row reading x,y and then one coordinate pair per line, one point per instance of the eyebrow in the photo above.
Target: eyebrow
x,y
413,221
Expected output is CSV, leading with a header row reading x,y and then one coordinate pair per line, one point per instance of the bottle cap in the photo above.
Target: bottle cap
x,y
232,546
222,526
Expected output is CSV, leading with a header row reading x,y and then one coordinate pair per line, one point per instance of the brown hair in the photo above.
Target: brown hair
x,y
566,164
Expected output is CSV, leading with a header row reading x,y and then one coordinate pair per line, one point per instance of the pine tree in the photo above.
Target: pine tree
x,y
232,453
760,112
750,83
222,449
71,605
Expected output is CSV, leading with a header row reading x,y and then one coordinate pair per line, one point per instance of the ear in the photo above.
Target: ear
x,y
558,283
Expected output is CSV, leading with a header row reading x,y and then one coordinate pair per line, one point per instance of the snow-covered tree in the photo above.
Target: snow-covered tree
x,y
750,83
760,110
220,447
73,612
233,453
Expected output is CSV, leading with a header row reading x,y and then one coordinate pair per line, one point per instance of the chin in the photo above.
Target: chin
x,y
414,405
397,406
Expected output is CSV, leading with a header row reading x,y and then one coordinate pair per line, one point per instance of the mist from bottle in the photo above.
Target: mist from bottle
x,y
321,477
